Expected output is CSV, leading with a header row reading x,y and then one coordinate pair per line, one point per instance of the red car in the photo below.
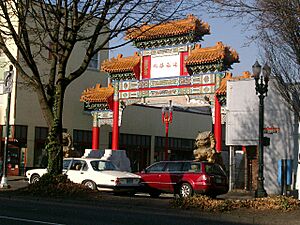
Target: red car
x,y
184,178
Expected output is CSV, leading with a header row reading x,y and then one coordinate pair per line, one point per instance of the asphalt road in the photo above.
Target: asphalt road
x,y
110,210
117,210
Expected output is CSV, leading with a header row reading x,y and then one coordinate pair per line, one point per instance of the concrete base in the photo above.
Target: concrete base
x,y
3,183
118,157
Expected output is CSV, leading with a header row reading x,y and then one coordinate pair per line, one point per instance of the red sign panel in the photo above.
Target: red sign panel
x,y
146,69
183,69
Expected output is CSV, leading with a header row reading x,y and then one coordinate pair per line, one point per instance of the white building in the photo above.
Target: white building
x,y
242,132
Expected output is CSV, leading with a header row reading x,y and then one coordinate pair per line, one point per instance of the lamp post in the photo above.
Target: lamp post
x,y
7,88
261,87
167,117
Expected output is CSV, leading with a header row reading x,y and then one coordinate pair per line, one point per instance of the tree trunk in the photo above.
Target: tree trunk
x,y
54,140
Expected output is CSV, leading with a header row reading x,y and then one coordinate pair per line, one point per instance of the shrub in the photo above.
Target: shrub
x,y
58,186
205,203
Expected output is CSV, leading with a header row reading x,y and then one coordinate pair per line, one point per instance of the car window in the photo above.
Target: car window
x,y
66,164
85,167
214,169
157,167
77,164
192,167
173,167
99,165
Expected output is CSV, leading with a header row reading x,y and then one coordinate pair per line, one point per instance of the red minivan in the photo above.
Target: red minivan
x,y
184,178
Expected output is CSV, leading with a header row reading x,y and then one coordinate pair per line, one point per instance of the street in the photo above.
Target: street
x,y
117,210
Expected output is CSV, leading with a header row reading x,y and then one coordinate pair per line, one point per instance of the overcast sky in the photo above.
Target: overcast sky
x,y
229,32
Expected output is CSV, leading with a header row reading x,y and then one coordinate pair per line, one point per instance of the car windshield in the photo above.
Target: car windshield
x,y
99,165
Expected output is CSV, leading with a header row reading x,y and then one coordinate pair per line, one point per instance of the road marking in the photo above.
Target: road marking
x,y
26,220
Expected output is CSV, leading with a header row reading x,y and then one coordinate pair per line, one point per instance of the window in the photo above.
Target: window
x,y
192,167
94,63
77,165
173,167
214,169
103,165
21,133
40,157
158,167
1,51
85,167
82,139
66,164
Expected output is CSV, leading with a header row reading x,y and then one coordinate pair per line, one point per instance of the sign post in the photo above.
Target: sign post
x,y
8,81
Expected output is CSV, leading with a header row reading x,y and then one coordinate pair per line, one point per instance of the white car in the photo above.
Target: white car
x,y
93,173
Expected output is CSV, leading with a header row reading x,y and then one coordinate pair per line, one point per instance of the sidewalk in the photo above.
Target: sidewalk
x,y
15,183
237,194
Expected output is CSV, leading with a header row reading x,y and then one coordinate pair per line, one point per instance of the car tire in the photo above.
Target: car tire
x,y
154,194
90,184
185,190
34,178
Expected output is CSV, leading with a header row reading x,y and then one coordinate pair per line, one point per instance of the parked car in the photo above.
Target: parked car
x,y
95,174
184,178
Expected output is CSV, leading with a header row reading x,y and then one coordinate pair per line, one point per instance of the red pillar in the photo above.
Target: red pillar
x,y
115,132
95,133
167,141
218,125
95,138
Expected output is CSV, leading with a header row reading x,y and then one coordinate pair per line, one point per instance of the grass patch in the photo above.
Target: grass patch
x,y
208,204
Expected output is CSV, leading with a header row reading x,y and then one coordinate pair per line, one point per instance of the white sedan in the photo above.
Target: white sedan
x,y
93,173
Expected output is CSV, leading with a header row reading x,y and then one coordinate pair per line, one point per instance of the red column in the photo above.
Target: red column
x,y
95,138
218,125
95,133
167,141
115,132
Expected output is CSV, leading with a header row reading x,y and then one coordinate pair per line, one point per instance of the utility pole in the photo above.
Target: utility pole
x,y
7,88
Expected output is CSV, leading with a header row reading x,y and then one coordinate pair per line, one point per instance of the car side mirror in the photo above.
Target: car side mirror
x,y
144,171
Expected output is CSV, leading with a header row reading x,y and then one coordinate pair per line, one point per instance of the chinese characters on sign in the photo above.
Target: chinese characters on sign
x,y
165,65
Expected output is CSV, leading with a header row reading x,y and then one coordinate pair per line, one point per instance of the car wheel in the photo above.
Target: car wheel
x,y
34,178
90,184
154,194
185,190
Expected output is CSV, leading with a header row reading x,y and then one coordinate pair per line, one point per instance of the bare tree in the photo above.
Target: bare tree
x,y
58,26
275,25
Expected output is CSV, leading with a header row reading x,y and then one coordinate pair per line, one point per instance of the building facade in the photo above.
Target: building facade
x,y
280,126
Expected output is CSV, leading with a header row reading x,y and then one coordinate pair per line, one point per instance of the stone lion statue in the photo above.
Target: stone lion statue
x,y
205,147
67,146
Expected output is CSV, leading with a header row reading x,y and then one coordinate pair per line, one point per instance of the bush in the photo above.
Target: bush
x,y
58,186
205,203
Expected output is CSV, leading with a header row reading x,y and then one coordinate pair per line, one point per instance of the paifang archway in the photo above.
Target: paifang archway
x,y
170,66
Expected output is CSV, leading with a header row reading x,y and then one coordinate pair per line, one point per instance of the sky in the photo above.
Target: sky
x,y
230,32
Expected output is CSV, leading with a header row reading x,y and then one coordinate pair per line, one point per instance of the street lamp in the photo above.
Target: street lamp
x,y
7,88
167,117
261,87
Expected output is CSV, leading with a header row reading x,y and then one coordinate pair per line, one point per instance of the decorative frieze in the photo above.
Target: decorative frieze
x,y
167,41
105,118
206,68
165,51
182,85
